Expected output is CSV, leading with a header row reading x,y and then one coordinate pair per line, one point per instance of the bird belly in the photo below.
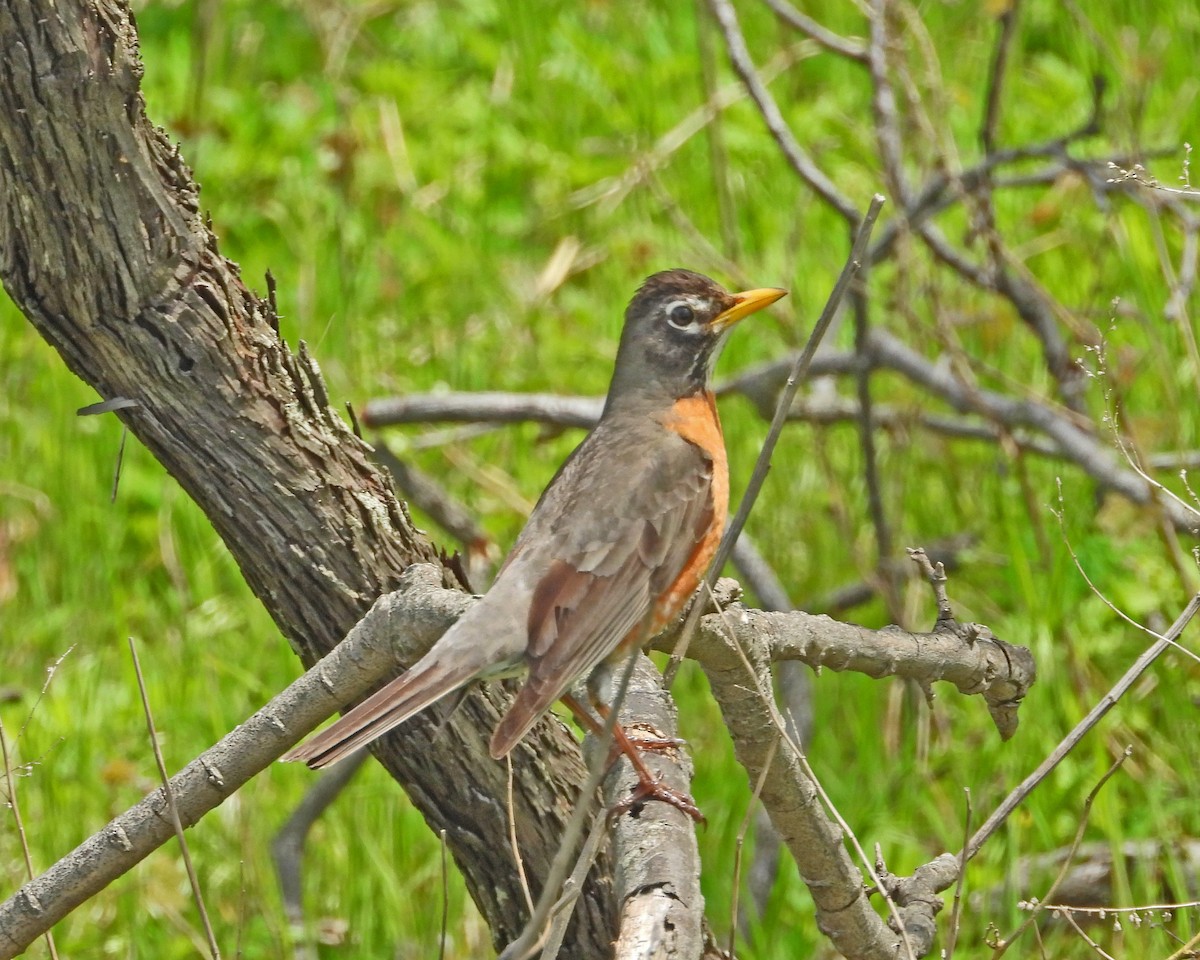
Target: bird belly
x,y
695,419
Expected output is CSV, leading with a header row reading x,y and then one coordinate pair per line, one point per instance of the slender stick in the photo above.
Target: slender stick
x,y
172,808
11,783
763,465
1107,702
535,932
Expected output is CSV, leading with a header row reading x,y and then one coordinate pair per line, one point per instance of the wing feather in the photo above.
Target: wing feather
x,y
597,592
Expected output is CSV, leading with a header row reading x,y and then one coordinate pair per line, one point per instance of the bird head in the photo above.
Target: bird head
x,y
675,326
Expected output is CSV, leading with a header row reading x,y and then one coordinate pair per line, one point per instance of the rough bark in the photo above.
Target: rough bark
x,y
104,247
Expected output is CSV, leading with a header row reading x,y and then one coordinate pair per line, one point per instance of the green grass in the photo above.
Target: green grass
x,y
407,259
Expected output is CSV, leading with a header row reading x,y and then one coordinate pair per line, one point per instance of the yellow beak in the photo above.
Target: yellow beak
x,y
745,304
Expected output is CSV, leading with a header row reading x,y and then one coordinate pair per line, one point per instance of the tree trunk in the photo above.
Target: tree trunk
x,y
104,247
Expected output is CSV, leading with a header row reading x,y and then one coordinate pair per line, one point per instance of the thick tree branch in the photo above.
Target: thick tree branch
x,y
401,626
742,687
969,657
412,617
107,253
656,860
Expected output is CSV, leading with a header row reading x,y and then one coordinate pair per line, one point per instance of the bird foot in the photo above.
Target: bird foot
x,y
645,743
641,743
649,786
654,789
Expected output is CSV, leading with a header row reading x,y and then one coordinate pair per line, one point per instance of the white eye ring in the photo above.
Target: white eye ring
x,y
681,314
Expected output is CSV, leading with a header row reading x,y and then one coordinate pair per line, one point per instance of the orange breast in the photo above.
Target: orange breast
x,y
695,419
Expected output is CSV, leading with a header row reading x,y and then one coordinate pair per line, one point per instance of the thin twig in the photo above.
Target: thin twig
x,y
866,441
172,809
1069,742
511,811
833,42
961,882
739,845
763,465
534,932
797,158
991,116
1100,951
573,886
935,573
445,896
10,783
1066,863
1106,911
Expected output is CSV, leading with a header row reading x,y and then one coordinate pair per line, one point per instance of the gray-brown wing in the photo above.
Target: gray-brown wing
x,y
608,570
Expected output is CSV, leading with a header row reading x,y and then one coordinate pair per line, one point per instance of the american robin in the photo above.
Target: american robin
x,y
616,545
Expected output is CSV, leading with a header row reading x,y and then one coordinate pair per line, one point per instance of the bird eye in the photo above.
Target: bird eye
x,y
680,315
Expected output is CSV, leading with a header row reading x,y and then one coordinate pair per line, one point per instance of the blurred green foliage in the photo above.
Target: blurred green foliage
x,y
406,170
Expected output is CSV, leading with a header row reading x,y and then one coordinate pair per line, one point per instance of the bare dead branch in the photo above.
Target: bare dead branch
x,y
965,656
656,858
487,406
797,157
287,846
415,615
1077,445
399,627
844,914
1140,666
834,43
762,464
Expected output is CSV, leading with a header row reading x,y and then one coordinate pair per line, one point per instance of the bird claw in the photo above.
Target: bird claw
x,y
655,789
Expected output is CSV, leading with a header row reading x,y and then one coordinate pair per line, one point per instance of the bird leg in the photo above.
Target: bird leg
x,y
650,786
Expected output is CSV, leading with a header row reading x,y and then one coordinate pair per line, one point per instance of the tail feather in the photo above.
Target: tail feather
x,y
401,699
532,701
